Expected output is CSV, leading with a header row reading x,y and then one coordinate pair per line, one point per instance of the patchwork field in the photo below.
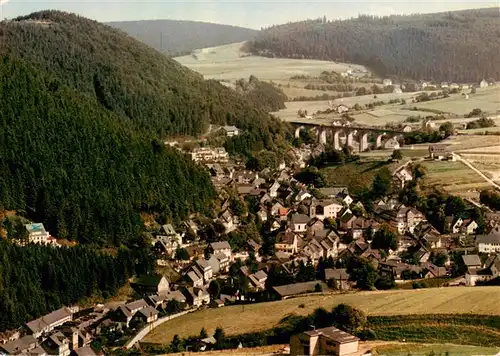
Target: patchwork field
x,y
261,316
436,349
487,99
229,63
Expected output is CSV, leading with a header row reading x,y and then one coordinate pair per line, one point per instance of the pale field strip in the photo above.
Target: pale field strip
x,y
262,316
228,62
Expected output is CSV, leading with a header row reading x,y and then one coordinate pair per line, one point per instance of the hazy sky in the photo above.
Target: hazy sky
x,y
247,13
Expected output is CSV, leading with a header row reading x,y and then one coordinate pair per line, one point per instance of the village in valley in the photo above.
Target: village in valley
x,y
279,233
375,186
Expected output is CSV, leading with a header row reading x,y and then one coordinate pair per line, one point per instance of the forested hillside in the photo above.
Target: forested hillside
x,y
458,46
37,280
182,37
84,111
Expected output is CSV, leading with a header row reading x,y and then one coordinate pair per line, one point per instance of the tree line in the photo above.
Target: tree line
x,y
451,46
35,280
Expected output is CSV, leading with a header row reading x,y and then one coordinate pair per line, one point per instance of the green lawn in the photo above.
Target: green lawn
x,y
437,349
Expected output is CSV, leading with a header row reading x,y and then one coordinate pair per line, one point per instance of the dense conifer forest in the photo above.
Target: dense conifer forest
x,y
176,38
36,280
458,46
84,111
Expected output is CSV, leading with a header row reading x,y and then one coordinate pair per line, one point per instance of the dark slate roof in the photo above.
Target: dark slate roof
x,y
298,288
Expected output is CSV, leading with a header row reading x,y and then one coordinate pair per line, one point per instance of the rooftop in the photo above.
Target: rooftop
x,y
492,238
300,219
45,321
471,260
298,288
220,245
334,334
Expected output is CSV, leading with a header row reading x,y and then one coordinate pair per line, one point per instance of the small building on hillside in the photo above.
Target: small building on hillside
x,y
290,290
325,341
489,243
151,284
483,84
437,151
230,131
37,234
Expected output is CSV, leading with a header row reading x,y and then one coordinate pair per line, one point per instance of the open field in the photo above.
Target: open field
x,y
454,177
261,316
487,99
438,349
230,64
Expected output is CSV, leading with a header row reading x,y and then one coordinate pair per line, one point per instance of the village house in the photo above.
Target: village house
x,y
346,222
290,290
26,345
57,344
229,221
167,239
333,192
313,251
37,234
230,131
437,152
273,190
338,277
222,247
287,242
209,155
315,225
262,214
160,300
48,322
326,209
361,227
258,280
401,177
325,341
483,84
391,144
150,284
146,315
387,82
196,296
489,243
477,272
407,128
298,223
469,227
245,177
303,194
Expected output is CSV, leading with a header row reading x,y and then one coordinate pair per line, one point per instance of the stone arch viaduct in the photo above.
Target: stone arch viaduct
x,y
334,132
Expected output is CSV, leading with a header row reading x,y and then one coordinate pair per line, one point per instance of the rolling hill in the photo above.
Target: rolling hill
x,y
84,111
460,46
182,37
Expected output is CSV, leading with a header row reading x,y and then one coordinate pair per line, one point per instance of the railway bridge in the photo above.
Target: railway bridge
x,y
333,132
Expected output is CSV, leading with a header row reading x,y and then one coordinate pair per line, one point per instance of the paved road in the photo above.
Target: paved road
x,y
468,164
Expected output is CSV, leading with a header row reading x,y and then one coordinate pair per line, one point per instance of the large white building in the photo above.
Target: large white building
x,y
207,154
489,243
37,234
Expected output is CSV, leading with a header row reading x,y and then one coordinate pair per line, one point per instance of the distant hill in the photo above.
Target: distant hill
x,y
453,46
181,37
84,111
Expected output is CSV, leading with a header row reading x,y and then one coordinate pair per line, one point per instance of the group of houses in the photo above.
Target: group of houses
x,y
64,332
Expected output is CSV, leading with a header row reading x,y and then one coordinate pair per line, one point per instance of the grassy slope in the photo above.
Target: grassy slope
x,y
262,316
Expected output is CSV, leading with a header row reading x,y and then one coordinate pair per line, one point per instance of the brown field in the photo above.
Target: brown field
x,y
261,316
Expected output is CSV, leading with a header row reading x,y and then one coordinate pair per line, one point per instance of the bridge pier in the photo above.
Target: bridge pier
x,y
322,135
336,139
363,141
378,140
297,131
350,139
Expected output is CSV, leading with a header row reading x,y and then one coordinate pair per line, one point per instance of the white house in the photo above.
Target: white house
x,y
391,144
387,82
222,247
298,222
326,209
483,84
37,234
231,131
489,243
303,194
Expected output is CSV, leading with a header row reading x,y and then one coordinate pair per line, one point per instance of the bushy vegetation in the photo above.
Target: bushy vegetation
x,y
403,46
490,198
36,280
481,123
